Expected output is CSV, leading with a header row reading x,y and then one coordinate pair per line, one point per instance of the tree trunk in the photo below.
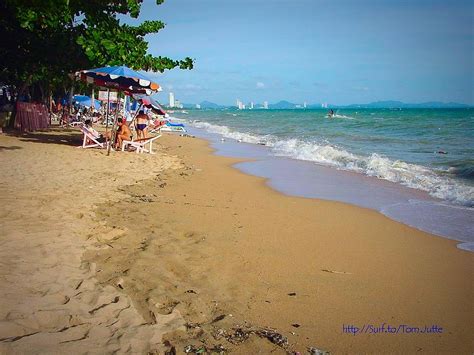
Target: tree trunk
x,y
50,105
23,87
71,95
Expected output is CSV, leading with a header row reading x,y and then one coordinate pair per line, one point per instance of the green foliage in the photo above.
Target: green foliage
x,y
45,40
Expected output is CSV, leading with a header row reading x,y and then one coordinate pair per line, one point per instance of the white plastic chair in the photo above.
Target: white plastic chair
x,y
140,144
90,139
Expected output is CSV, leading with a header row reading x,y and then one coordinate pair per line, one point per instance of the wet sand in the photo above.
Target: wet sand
x,y
195,249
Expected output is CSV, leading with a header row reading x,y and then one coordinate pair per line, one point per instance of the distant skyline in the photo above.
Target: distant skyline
x,y
284,104
341,52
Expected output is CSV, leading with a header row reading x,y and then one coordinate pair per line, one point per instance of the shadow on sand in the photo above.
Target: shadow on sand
x,y
70,137
13,147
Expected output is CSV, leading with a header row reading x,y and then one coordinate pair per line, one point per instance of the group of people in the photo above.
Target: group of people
x,y
70,114
123,131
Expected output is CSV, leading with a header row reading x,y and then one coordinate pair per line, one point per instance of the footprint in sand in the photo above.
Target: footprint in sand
x,y
189,234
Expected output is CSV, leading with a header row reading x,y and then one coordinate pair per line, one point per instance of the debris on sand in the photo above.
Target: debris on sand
x,y
274,337
191,349
315,351
218,318
239,335
336,272
171,349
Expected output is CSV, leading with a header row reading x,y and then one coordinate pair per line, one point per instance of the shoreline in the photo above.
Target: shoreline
x,y
413,207
246,247
206,240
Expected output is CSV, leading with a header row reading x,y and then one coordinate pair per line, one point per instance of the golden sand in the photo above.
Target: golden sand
x,y
179,249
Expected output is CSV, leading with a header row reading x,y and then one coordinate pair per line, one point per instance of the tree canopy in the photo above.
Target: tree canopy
x,y
43,41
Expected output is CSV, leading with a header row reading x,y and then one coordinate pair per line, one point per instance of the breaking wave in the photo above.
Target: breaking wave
x,y
437,183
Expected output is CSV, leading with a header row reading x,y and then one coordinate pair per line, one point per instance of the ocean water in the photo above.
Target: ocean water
x,y
428,150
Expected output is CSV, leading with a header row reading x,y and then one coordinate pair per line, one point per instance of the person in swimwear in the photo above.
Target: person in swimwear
x,y
142,124
123,133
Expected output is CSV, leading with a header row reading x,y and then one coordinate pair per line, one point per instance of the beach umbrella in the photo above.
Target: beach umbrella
x,y
150,103
120,78
85,101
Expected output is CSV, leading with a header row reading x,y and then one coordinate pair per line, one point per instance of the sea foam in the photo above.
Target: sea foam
x,y
436,183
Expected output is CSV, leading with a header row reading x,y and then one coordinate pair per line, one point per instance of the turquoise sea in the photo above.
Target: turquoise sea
x,y
427,149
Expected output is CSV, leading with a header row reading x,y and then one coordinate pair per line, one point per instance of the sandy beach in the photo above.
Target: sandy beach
x,y
181,251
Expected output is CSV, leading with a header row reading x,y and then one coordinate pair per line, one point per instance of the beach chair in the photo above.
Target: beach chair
x,y
91,140
76,123
156,126
173,127
141,144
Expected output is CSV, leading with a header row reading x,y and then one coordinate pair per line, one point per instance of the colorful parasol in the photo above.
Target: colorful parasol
x,y
119,77
150,103
85,101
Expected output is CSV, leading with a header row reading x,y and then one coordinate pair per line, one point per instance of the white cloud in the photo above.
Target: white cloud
x,y
260,85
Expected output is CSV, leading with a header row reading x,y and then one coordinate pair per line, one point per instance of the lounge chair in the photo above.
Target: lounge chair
x,y
173,127
140,144
91,139
156,126
75,123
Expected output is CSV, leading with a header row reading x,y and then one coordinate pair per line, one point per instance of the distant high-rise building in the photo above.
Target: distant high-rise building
x,y
240,104
172,102
198,106
304,104
324,105
178,104
251,106
265,105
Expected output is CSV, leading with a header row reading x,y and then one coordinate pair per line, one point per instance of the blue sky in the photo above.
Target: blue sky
x,y
335,51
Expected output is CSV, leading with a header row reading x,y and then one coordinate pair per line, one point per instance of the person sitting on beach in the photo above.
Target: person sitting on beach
x,y
99,136
123,133
96,117
77,115
142,124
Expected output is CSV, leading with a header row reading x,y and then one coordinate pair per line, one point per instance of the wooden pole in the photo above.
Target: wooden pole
x,y
112,136
117,110
107,111
71,95
93,100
